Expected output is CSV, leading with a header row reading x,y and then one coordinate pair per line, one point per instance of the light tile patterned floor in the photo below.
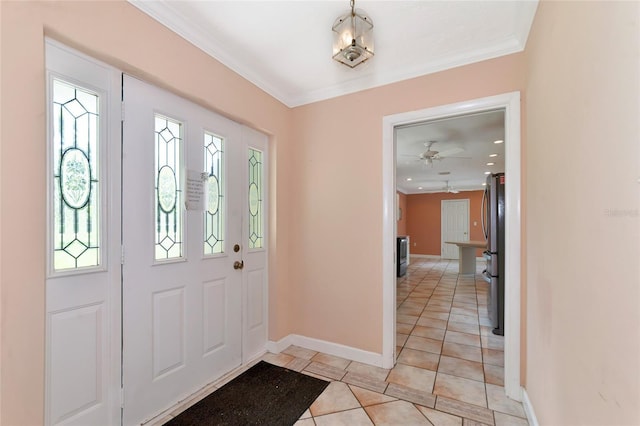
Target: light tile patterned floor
x,y
449,371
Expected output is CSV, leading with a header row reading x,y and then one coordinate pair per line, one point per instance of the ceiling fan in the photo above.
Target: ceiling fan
x,y
429,155
449,189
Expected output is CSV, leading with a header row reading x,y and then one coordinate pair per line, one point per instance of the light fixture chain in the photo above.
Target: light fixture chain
x,y
353,5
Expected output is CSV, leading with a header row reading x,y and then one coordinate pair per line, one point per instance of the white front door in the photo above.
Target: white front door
x,y
190,274
82,372
455,226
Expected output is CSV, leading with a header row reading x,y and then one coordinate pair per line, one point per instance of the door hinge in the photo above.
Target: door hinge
x,y
121,397
122,111
122,255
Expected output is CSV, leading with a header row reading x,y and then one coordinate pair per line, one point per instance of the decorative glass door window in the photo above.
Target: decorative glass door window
x,y
214,213
76,190
168,192
256,215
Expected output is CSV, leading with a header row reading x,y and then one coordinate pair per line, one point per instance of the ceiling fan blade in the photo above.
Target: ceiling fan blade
x,y
449,152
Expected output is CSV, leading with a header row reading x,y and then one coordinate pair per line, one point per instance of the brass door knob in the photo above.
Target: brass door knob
x,y
238,265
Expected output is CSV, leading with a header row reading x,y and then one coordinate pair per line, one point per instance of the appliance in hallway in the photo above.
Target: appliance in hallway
x,y
402,252
493,218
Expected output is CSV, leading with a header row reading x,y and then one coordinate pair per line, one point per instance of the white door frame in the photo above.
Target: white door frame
x,y
442,209
511,103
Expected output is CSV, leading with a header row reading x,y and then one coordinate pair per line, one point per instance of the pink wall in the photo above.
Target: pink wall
x,y
424,216
582,213
338,201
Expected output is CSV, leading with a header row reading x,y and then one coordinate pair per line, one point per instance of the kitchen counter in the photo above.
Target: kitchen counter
x,y
467,254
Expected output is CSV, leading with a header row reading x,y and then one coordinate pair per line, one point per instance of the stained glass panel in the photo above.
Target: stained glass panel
x,y
168,192
75,159
214,213
256,216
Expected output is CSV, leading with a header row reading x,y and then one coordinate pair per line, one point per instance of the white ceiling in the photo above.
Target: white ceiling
x,y
473,134
284,47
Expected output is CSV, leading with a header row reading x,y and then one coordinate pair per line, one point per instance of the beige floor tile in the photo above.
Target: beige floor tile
x,y
331,360
401,339
367,397
468,422
470,353
424,344
409,310
507,420
460,389
432,322
430,332
396,413
498,401
493,357
365,382
306,415
407,319
494,374
299,352
415,396
466,319
462,338
438,418
304,422
461,368
493,342
435,315
376,373
404,328
463,328
412,377
419,359
297,364
325,370
463,409
336,397
280,359
357,417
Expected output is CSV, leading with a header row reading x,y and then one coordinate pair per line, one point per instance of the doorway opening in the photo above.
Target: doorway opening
x,y
510,102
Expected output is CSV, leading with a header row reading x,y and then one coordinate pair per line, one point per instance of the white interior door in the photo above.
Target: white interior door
x,y
455,226
182,297
82,372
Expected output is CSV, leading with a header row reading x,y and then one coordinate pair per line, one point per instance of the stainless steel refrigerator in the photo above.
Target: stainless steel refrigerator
x,y
493,219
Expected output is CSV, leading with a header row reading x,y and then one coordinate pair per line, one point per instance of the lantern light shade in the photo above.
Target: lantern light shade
x,y
353,38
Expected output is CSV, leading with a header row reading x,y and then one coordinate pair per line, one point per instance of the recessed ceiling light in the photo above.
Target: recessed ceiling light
x,y
490,164
487,173
493,155
419,187
498,141
409,179
484,183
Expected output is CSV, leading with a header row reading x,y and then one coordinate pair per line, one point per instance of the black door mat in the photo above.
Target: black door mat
x,y
263,395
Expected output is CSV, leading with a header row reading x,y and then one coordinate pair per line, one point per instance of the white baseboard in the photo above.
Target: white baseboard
x,y
330,348
528,409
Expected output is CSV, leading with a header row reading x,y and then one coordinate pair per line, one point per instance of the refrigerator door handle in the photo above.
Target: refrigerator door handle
x,y
483,213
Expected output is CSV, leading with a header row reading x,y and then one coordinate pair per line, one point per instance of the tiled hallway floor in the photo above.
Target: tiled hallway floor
x,y
449,368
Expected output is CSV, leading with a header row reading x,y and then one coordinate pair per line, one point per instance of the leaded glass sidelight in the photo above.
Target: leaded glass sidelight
x,y
256,215
75,160
168,192
214,213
